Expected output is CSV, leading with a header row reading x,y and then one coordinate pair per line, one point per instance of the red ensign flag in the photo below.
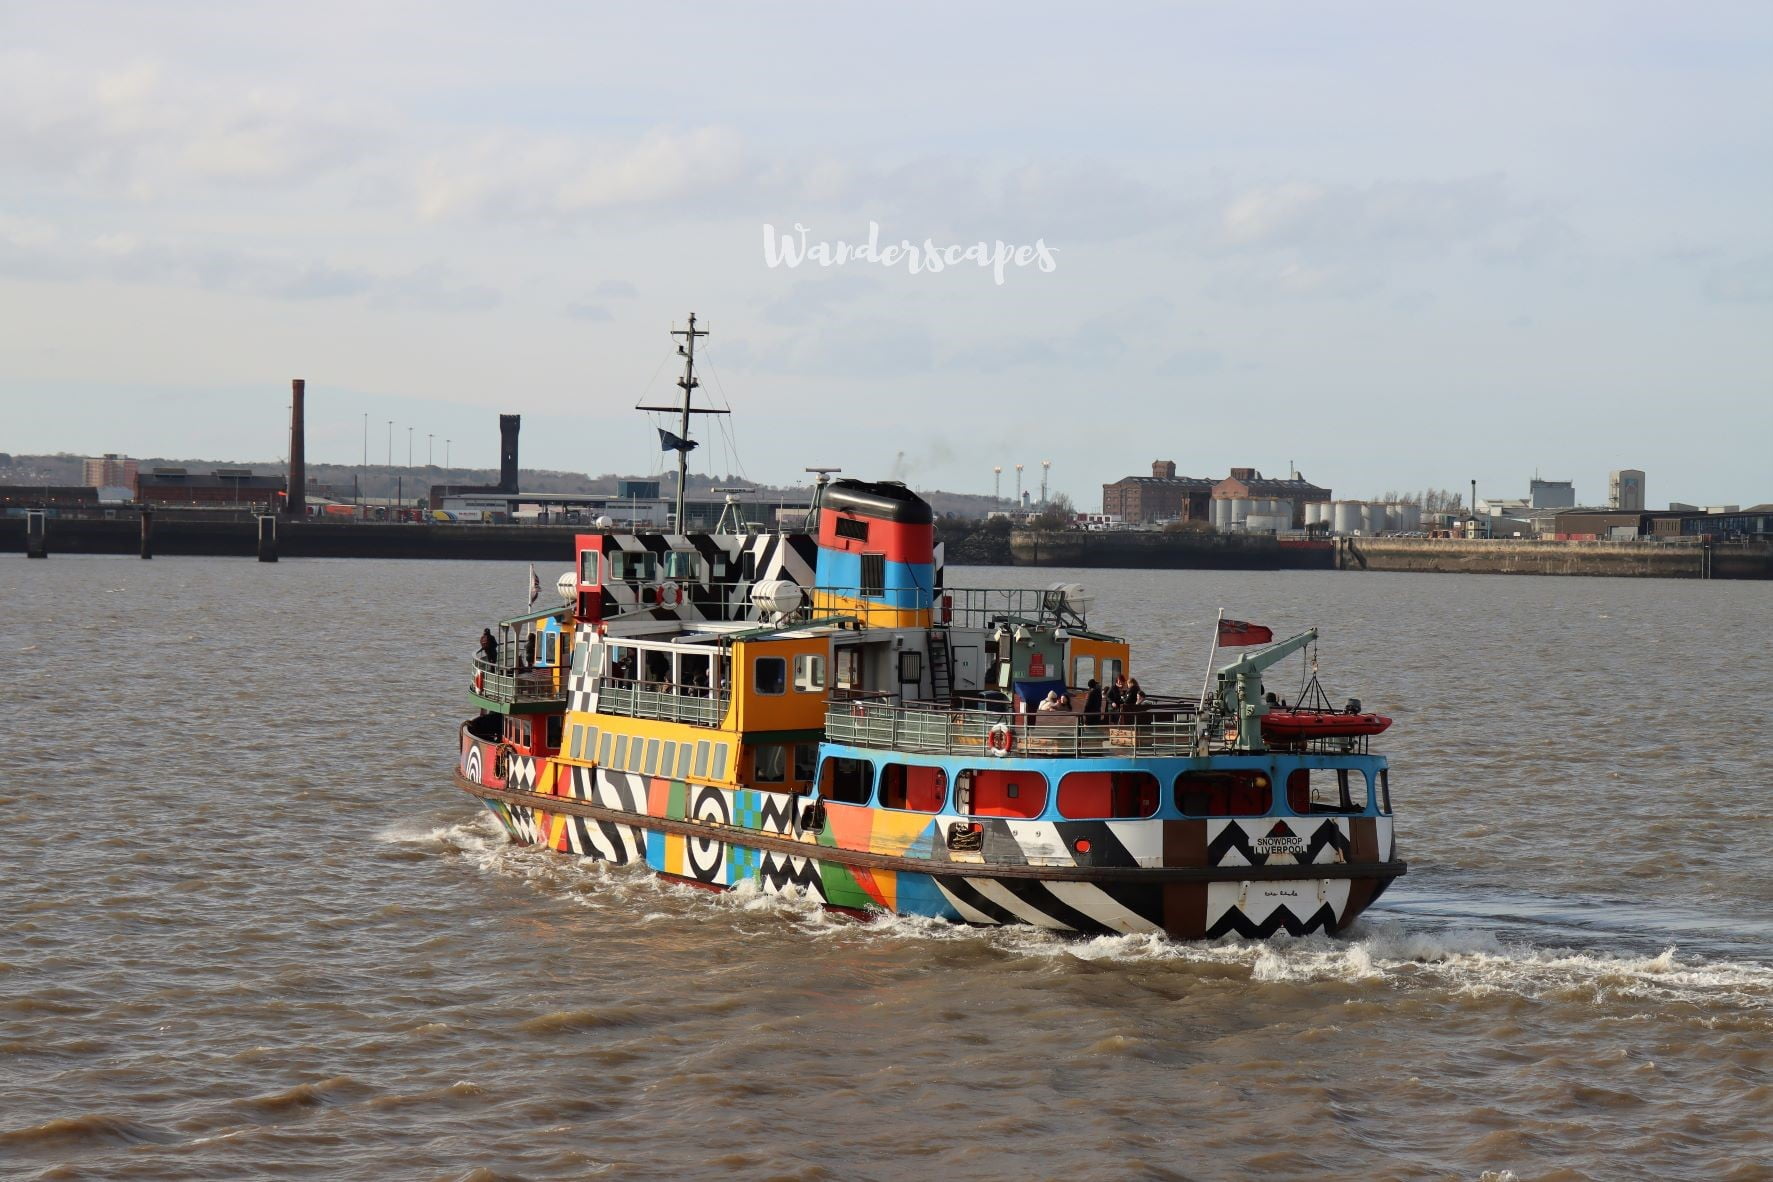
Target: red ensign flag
x,y
1235,632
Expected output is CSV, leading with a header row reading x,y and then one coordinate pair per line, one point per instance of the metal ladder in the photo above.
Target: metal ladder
x,y
941,678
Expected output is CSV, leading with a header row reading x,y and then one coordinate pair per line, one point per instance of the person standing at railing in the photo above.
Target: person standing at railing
x,y
489,648
1092,711
1133,701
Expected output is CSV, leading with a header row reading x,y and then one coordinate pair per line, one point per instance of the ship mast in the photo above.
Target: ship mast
x,y
688,382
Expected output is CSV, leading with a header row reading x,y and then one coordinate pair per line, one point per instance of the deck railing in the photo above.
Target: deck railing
x,y
961,607
520,687
931,728
639,699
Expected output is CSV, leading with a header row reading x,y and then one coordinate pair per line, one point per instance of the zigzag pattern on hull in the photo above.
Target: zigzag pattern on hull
x,y
1235,836
781,873
1234,921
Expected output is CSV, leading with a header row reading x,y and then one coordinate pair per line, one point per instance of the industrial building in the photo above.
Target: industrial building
x,y
1625,489
1162,496
1274,504
223,486
1551,494
1227,503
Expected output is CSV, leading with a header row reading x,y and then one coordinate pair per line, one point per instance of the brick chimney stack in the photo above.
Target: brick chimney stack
x,y
295,502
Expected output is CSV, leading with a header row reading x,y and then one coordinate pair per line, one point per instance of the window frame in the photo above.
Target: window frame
x,y
781,680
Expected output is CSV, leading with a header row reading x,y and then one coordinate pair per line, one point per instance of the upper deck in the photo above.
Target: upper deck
x,y
1165,728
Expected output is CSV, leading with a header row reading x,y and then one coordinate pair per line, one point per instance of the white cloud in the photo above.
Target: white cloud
x,y
147,130
515,176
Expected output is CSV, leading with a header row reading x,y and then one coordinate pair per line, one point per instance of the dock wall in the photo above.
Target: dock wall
x,y
1519,557
1166,551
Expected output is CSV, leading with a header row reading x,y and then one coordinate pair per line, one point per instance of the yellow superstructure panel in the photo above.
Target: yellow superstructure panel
x,y
651,747
779,683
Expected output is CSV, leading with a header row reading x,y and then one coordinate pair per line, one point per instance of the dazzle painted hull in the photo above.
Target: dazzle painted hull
x,y
1185,879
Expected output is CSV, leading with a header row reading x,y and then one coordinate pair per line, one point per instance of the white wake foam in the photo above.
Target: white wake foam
x,y
1468,960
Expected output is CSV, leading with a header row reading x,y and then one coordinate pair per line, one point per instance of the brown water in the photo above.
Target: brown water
x,y
247,927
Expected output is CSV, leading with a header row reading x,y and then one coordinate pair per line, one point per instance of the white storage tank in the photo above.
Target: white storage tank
x,y
1240,509
1221,511
1266,523
1345,516
1372,518
1406,517
1284,508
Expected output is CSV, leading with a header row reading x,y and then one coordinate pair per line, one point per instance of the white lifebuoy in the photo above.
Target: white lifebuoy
x,y
479,681
1001,740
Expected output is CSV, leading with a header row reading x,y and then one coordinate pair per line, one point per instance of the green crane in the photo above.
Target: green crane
x,y
1240,687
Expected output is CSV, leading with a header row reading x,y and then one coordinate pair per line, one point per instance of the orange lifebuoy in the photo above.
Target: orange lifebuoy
x,y
1001,739
479,681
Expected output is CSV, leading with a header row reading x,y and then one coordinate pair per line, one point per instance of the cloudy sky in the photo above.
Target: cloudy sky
x,y
1396,245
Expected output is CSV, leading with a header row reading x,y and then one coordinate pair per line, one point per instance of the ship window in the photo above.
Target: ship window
x,y
873,575
1110,671
1323,793
747,567
851,527
809,672
668,758
633,568
769,764
719,772
604,746
1385,791
1244,792
681,565
622,750
550,648
985,793
702,758
914,787
652,757
806,762
770,675
588,567
578,749
1108,794
846,780
1082,669
684,754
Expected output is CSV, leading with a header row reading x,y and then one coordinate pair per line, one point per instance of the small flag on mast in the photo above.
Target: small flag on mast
x,y
670,442
535,585
1233,633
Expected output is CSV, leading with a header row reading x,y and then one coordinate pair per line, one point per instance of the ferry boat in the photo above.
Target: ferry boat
x,y
819,712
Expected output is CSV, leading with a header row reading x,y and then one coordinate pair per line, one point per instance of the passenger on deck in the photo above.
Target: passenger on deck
x,y
1092,711
489,647
1050,702
1115,698
1133,701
